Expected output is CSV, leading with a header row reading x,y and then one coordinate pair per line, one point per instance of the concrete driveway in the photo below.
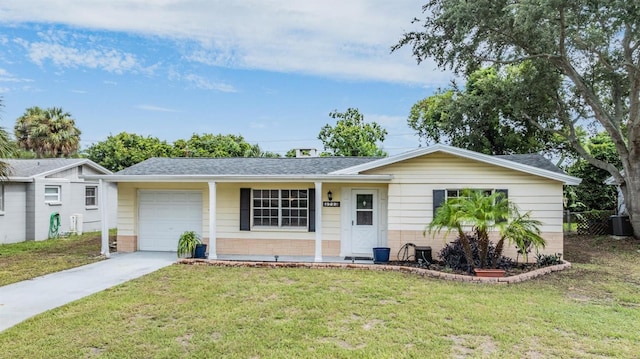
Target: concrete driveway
x,y
23,300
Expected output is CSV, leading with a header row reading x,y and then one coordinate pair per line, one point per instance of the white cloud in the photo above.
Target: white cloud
x,y
203,83
337,38
6,76
154,108
110,60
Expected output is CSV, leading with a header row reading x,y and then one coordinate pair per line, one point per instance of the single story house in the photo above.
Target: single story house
x,y
322,206
38,188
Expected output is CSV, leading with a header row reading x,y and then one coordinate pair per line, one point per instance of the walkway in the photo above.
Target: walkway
x,y
22,300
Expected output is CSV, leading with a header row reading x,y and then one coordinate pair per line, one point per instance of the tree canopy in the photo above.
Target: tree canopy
x,y
210,145
592,193
126,149
593,45
352,136
481,116
47,132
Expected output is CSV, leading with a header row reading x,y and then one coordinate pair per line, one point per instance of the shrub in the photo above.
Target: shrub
x,y
545,260
453,256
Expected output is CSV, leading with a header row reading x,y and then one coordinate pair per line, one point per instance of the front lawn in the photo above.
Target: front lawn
x,y
27,260
590,311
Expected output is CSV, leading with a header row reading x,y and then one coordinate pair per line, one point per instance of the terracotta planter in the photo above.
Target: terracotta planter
x,y
490,273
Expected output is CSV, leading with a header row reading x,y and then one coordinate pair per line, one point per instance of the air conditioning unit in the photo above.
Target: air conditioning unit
x,y
75,223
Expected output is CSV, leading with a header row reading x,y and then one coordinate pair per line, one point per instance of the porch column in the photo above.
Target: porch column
x,y
212,220
103,201
318,257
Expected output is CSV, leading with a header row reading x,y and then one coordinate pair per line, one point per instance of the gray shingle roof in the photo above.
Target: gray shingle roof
x,y
243,166
533,160
34,167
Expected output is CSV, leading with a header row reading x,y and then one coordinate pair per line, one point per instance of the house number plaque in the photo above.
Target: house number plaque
x,y
331,204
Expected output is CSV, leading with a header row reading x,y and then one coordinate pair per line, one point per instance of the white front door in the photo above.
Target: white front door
x,y
364,220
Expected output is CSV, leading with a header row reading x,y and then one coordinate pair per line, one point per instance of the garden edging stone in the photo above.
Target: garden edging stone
x,y
386,268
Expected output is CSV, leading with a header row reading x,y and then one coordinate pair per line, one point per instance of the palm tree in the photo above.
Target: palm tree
x,y
484,213
24,123
6,150
48,133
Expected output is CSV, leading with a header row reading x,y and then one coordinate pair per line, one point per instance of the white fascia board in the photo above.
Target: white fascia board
x,y
18,179
566,179
80,162
261,178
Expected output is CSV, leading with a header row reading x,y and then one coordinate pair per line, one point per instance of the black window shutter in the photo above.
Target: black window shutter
x,y
438,199
312,209
505,192
505,196
245,209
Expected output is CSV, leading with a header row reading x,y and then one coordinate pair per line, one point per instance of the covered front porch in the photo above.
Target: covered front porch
x,y
336,219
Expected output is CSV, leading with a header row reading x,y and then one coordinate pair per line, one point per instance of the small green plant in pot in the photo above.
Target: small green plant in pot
x,y
187,244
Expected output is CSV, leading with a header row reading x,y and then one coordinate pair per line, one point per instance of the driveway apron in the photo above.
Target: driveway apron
x,y
22,300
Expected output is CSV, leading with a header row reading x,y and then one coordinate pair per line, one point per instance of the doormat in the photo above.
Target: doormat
x,y
358,258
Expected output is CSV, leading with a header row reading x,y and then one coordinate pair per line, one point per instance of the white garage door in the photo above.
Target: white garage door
x,y
164,215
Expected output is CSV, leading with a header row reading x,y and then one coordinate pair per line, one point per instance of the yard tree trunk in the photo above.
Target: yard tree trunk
x,y
594,46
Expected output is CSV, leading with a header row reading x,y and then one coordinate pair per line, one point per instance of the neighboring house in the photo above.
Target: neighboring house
x,y
37,188
315,206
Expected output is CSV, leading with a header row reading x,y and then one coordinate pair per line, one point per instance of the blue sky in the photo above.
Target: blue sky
x,y
270,71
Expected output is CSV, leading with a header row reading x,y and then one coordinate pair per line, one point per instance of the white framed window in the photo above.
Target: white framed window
x,y
52,194
287,208
91,196
1,198
455,193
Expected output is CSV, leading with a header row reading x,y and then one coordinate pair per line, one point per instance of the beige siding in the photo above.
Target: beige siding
x,y
411,191
408,200
228,210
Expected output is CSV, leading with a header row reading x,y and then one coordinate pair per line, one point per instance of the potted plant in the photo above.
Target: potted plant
x,y
484,213
187,244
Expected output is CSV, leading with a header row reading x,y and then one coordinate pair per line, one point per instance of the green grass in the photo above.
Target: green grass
x,y
27,260
570,227
590,311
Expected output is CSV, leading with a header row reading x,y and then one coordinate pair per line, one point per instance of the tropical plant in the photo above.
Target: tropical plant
x,y
523,231
453,256
187,243
484,213
47,132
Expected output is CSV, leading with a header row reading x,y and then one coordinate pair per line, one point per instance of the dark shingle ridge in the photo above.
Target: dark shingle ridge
x,y
243,166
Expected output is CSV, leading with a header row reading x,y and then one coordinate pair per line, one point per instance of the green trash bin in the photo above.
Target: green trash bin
x,y
381,254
